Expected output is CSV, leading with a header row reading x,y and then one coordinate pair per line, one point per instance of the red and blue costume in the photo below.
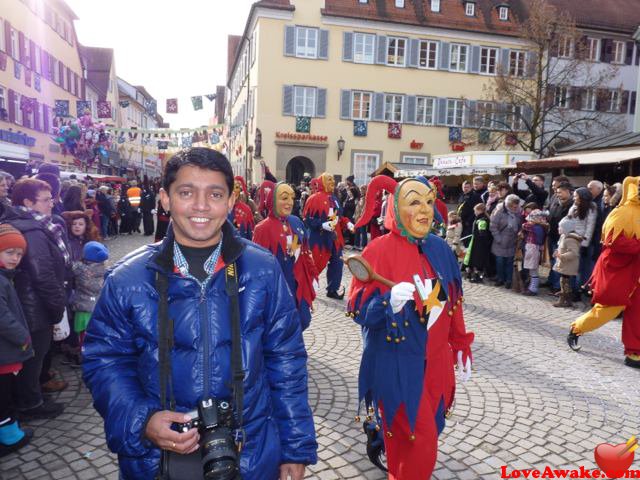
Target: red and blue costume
x,y
407,368
287,238
242,216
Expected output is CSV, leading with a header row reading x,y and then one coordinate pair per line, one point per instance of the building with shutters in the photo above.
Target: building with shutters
x,y
39,64
395,81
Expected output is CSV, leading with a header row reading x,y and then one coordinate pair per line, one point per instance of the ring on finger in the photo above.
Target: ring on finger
x,y
173,444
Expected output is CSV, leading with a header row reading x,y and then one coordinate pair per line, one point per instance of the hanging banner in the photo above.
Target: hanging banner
x,y
151,107
211,97
104,109
172,105
196,102
82,107
61,108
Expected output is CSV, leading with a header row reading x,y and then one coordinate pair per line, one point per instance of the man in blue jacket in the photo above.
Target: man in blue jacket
x,y
121,355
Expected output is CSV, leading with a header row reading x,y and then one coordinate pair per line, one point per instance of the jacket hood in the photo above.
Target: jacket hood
x,y
625,219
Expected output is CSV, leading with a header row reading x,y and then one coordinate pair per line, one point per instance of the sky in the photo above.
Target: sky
x,y
174,48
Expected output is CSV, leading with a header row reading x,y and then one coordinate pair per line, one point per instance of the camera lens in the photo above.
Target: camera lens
x,y
219,456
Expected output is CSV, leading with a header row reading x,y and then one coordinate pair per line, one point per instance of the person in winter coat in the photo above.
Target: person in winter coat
x,y
478,253
534,192
147,207
535,232
585,213
454,233
103,198
162,223
124,212
40,286
505,225
121,357
80,230
15,341
567,259
559,206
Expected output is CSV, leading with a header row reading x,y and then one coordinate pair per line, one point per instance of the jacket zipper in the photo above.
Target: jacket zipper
x,y
204,332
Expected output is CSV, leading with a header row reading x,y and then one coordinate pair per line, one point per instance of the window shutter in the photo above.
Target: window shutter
x,y
69,79
527,117
601,99
607,50
83,93
624,104
287,100
75,85
414,52
378,107
475,59
410,106
7,38
12,108
21,48
323,52
32,55
628,59
505,54
36,114
45,118
347,46
442,111
444,55
532,64
345,104
575,98
61,73
321,103
632,103
289,40
381,49
44,64
471,114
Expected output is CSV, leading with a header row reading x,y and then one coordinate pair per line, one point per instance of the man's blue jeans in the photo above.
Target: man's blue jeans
x,y
504,269
554,277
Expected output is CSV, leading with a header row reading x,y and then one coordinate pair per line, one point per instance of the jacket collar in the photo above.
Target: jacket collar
x,y
232,248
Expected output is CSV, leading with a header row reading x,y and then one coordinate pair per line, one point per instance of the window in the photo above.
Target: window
x,y
614,101
306,42
470,9
428,54
565,47
14,44
435,5
517,123
363,47
561,97
454,113
516,63
364,164
414,159
396,48
618,51
488,60
36,61
485,113
360,105
593,49
458,57
589,98
363,1
304,103
400,3
56,70
17,109
40,114
2,37
3,101
425,110
393,108
503,13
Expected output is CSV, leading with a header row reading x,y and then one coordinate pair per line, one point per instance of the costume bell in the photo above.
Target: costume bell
x,y
285,236
241,215
616,276
323,217
413,332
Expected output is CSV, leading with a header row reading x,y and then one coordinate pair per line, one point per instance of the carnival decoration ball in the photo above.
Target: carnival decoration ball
x,y
87,141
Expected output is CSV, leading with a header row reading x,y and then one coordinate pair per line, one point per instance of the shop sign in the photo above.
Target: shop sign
x,y
17,138
304,137
416,145
456,161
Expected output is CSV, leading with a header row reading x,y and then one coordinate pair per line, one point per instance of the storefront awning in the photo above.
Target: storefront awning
x,y
577,159
448,172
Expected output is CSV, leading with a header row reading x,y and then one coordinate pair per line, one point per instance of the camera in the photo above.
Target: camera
x,y
215,423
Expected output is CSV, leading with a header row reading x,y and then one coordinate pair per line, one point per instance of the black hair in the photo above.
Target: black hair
x,y
49,168
200,157
585,202
52,180
541,177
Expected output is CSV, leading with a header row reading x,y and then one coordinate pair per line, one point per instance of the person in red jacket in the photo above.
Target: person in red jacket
x,y
242,215
616,276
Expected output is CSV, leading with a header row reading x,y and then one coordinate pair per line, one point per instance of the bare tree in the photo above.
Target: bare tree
x,y
554,94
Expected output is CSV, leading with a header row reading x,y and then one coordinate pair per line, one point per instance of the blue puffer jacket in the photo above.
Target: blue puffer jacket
x,y
120,358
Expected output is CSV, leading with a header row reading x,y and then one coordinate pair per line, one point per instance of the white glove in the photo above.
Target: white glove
x,y
316,286
401,294
351,226
328,226
464,370
296,254
154,211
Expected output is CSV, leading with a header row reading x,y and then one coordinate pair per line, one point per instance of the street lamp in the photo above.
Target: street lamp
x,y
341,143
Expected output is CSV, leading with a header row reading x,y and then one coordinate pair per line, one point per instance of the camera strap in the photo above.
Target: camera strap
x,y
237,372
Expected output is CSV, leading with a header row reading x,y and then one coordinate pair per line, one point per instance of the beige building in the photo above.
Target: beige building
x,y
39,64
341,86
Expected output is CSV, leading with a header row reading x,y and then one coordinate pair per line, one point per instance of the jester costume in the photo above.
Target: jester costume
x,y
616,275
286,237
326,246
441,213
407,368
242,216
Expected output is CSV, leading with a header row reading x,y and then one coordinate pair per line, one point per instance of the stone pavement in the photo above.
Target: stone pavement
x,y
532,402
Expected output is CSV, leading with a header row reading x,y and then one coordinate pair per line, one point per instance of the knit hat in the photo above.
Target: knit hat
x,y
11,238
536,215
568,225
95,252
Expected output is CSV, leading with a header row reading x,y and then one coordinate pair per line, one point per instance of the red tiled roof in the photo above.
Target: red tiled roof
x,y
621,16
233,42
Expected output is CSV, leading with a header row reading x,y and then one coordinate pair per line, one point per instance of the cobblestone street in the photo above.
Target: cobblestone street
x,y
532,402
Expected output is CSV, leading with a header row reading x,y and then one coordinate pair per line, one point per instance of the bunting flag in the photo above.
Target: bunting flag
x,y
151,107
82,107
211,97
196,102
104,109
303,124
172,105
163,145
3,61
62,108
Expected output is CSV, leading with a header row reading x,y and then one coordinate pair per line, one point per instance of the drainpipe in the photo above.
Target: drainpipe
x,y
248,158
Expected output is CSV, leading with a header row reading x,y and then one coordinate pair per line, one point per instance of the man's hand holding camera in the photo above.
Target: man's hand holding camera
x,y
160,433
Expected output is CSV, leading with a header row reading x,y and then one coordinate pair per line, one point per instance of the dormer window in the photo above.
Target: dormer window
x,y
400,3
435,5
470,9
503,13
363,1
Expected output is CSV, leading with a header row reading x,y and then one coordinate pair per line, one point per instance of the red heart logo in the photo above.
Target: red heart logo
x,y
609,458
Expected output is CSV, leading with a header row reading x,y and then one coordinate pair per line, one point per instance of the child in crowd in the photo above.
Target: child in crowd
x,y
478,253
15,341
567,259
454,232
89,277
535,232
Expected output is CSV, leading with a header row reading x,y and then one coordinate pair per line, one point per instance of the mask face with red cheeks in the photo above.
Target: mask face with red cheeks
x,y
414,203
328,182
284,198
